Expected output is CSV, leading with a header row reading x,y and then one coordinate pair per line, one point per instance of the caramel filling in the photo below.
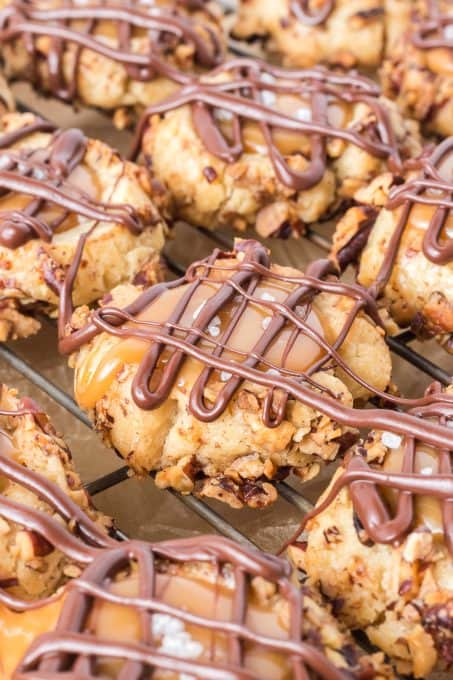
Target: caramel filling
x,y
82,179
18,630
287,142
440,60
99,368
422,214
167,634
427,510
176,638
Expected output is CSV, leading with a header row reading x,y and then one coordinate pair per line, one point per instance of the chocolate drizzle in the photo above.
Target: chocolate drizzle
x,y
243,98
80,544
301,10
163,28
433,33
364,483
43,174
73,650
429,188
181,342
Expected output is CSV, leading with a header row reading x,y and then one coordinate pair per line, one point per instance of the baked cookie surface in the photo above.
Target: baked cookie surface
x,y
270,148
380,544
304,33
201,607
61,191
194,384
117,56
42,499
405,253
418,71
6,97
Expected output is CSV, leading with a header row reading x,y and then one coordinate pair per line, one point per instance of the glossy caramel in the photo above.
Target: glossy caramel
x,y
427,510
18,630
81,179
106,358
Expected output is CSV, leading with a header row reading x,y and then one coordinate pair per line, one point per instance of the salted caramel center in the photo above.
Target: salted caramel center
x,y
427,510
294,352
174,637
19,629
422,214
286,141
81,179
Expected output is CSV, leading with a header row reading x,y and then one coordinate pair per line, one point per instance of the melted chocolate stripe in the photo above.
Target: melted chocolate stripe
x,y
160,336
25,20
424,39
302,12
43,174
241,97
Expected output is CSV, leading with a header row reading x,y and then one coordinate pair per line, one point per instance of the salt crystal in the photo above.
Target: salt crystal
x,y
426,471
268,98
303,114
267,78
224,376
272,371
268,297
223,114
448,31
391,440
164,624
265,322
181,645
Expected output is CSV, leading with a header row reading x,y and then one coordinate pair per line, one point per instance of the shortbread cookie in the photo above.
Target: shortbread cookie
x,y
380,544
405,252
418,72
304,33
114,55
60,191
217,382
201,607
275,149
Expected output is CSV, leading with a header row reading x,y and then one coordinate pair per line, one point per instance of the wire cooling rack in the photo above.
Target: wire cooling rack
x,y
211,512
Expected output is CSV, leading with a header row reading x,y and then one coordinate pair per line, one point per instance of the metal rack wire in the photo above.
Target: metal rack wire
x,y
399,345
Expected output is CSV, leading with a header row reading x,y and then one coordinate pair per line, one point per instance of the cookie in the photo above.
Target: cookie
x,y
116,56
405,248
217,382
269,148
346,33
201,607
380,542
70,208
417,72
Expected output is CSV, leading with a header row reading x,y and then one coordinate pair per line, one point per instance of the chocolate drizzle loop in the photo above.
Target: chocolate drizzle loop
x,y
68,648
302,12
430,188
434,33
29,20
364,483
241,95
81,544
154,379
43,174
